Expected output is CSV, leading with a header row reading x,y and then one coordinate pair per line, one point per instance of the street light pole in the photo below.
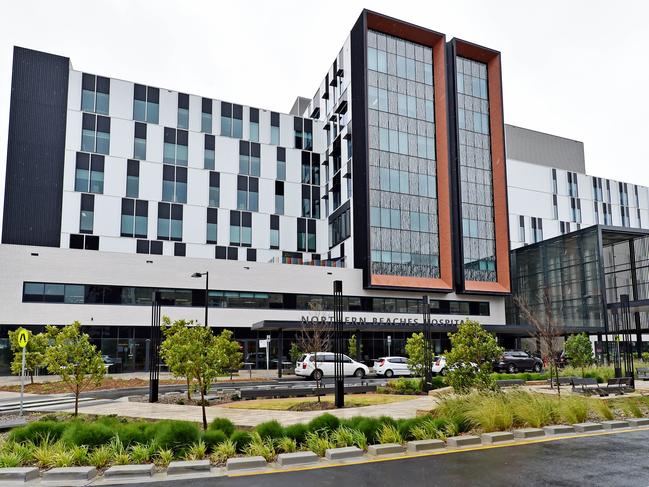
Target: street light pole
x,y
207,287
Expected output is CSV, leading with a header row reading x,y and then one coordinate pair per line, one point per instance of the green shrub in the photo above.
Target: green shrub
x,y
491,413
36,431
222,424
405,426
164,457
429,429
297,432
89,434
212,438
318,443
389,420
262,447
369,427
533,410
573,409
241,439
631,407
141,453
324,422
602,409
10,459
134,432
196,451
286,445
522,375
270,429
176,435
100,457
343,436
404,385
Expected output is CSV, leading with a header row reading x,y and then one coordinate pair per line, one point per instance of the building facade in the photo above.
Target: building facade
x,y
391,178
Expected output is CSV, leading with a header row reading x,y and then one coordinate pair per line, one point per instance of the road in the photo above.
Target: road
x,y
608,460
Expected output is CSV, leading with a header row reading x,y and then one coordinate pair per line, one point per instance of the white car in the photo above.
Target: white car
x,y
439,365
306,366
391,366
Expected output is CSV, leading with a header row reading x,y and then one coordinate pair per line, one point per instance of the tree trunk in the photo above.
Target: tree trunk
x,y
31,378
203,408
189,394
76,400
556,368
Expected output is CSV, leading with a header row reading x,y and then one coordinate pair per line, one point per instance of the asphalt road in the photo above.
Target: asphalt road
x,y
610,460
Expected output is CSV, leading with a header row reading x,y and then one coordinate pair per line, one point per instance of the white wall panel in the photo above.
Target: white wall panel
x,y
74,90
121,99
197,187
70,213
73,130
115,176
194,224
196,150
107,218
150,181
121,137
168,116
228,192
154,142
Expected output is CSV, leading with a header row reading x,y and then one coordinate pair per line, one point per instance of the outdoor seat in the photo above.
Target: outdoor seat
x,y
563,381
587,385
643,373
619,386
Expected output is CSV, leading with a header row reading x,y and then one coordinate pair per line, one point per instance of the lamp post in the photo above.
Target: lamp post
x,y
207,280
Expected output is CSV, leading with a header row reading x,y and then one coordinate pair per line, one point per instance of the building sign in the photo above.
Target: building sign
x,y
353,320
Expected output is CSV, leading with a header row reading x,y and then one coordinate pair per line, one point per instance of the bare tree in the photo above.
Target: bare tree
x,y
546,329
315,337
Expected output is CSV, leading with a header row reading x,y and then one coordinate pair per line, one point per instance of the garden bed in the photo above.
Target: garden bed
x,y
311,403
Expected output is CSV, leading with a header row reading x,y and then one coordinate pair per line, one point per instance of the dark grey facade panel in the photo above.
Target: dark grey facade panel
x,y
36,149
544,149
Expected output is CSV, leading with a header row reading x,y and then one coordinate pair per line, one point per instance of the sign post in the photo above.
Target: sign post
x,y
389,343
23,338
267,352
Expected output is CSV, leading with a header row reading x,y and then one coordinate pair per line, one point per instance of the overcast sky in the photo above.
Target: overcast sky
x,y
578,69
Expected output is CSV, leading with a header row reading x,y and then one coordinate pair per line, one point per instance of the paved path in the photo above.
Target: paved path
x,y
252,417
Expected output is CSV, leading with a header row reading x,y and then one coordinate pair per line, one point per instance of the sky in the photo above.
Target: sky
x,y
574,68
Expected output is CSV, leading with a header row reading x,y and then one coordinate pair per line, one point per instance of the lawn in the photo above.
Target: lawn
x,y
291,403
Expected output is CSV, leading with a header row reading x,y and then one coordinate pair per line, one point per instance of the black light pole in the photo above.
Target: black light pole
x,y
339,373
428,355
154,353
627,338
207,283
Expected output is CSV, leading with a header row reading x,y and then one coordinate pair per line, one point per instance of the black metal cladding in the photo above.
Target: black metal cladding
x,y
183,100
36,149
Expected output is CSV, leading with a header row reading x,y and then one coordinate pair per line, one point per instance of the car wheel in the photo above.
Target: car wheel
x,y
360,373
511,369
317,374
388,373
537,367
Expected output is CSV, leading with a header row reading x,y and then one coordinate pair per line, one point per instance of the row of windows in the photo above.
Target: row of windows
x,y
396,181
401,66
406,258
392,140
35,292
400,219
401,104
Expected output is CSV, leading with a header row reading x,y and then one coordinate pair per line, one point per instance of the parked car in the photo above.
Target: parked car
x,y
439,365
514,361
391,366
306,366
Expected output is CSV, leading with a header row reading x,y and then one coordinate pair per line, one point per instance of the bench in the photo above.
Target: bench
x,y
510,383
643,373
563,381
618,386
587,385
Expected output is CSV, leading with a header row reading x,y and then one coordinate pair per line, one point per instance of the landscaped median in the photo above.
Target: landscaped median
x,y
58,448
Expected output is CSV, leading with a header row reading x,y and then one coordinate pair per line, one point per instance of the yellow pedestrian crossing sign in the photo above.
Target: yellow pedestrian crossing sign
x,y
23,338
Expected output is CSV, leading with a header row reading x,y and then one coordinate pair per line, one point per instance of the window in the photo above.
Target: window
x,y
554,180
149,247
310,201
597,189
247,193
274,128
209,157
625,217
281,163
306,236
231,120
596,210
132,178
146,103
95,93
229,253
624,194
134,218
537,229
555,207
95,135
170,221
215,187
206,116
183,111
575,209
279,197
175,147
251,255
249,158
87,214
89,177
521,229
311,187
303,133
212,220
339,228
241,228
572,184
608,215
174,184
139,145
87,242
254,124
274,232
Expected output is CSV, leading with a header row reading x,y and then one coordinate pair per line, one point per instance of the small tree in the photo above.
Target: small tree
x,y
295,352
34,353
173,351
579,351
415,349
473,351
546,328
315,338
74,359
353,347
